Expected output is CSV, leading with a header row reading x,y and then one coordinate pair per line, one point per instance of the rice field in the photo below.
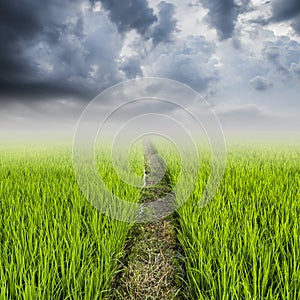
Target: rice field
x,y
244,245
53,243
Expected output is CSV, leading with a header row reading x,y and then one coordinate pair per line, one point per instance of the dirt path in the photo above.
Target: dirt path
x,y
151,266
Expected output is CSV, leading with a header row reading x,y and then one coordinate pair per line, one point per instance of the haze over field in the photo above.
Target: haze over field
x,y
242,56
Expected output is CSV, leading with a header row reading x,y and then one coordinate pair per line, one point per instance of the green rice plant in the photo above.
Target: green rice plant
x,y
246,243
53,243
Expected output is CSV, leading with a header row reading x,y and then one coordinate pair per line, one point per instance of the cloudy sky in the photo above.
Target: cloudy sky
x,y
242,56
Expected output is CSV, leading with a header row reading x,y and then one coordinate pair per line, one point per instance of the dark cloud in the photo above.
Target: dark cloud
x,y
296,24
222,15
281,11
44,51
136,14
260,83
39,89
56,48
19,20
284,10
19,23
132,14
166,27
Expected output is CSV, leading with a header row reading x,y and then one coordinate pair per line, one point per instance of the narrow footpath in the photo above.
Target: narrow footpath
x,y
151,267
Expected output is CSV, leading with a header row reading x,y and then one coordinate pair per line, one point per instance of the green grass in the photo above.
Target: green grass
x,y
53,243
246,243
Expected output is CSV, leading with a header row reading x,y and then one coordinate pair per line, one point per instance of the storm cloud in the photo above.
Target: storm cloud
x,y
137,15
71,49
55,53
284,10
132,14
45,53
222,15
167,25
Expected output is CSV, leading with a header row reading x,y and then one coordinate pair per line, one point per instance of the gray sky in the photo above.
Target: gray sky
x,y
242,56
